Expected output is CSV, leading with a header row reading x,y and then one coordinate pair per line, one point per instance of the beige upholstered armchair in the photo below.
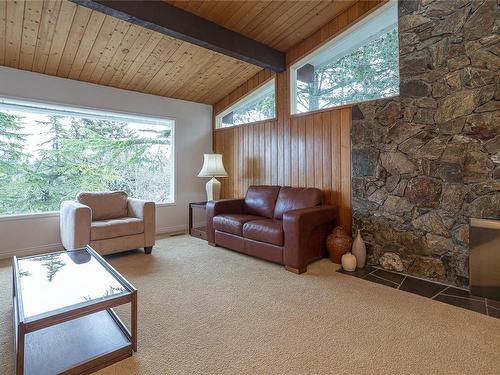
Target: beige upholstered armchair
x,y
109,222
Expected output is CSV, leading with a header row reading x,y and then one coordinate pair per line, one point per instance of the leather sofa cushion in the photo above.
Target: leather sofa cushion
x,y
105,205
232,223
291,198
111,228
260,200
266,230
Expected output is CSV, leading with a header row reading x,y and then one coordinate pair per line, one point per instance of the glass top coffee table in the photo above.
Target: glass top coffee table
x,y
63,316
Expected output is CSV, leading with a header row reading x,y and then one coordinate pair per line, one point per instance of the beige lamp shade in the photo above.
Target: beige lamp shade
x,y
212,166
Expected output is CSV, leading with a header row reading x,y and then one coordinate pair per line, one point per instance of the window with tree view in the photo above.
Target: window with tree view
x,y
360,64
48,155
257,106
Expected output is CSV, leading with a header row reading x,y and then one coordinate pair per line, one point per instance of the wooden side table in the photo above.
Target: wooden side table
x,y
200,232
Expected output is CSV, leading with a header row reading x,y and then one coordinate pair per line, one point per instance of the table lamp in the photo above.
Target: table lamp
x,y
213,167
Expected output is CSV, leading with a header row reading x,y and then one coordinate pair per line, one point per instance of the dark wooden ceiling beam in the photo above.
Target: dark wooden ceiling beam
x,y
177,23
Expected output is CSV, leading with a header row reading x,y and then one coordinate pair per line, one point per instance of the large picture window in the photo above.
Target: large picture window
x,y
360,64
257,106
50,153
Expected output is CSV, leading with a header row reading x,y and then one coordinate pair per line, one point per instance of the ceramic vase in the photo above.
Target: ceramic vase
x,y
349,262
338,243
359,250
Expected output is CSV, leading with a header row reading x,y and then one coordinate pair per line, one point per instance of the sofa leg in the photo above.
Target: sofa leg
x,y
212,244
298,271
148,249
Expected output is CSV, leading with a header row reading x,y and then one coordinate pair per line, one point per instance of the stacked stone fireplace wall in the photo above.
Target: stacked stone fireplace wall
x,y
426,162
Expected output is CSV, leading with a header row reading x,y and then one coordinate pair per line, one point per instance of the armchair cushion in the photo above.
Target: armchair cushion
x,y
105,205
111,228
266,230
232,223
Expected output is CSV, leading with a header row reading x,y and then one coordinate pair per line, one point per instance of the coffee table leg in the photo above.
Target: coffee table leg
x,y
133,307
20,349
19,327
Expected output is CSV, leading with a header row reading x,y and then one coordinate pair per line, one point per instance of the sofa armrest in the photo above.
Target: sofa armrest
x,y
145,210
74,224
298,226
224,206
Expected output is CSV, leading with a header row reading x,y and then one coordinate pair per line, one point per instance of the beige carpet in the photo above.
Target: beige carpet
x,y
207,310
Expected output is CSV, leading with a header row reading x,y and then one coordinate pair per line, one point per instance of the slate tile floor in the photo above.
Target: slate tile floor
x,y
439,292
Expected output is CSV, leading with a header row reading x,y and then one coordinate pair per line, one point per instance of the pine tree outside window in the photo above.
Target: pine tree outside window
x,y
256,106
50,153
360,64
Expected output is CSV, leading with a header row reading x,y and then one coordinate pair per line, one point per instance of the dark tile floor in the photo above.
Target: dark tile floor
x,y
439,292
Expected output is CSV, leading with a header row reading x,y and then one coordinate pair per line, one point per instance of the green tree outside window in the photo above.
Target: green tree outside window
x,y
73,154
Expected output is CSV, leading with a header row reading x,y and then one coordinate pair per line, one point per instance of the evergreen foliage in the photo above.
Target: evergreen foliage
x,y
79,154
369,72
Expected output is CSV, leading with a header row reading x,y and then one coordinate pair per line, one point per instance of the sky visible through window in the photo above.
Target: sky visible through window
x,y
359,64
258,106
369,72
47,158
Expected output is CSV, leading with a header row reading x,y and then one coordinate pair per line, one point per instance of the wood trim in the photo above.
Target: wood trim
x,y
133,314
258,80
313,151
23,326
306,149
349,105
111,269
177,23
305,114
73,312
16,289
337,25
120,324
240,125
101,362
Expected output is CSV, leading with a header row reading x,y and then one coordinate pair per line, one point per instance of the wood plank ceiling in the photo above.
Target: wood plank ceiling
x,y
60,38
279,24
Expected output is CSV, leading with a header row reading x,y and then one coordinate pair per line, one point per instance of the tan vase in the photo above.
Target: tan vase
x,y
349,262
338,243
359,250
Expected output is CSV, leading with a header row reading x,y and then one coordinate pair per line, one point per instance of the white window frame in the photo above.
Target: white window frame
x,y
375,24
11,103
255,94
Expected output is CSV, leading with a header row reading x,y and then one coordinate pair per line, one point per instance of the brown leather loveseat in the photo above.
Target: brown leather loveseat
x,y
284,225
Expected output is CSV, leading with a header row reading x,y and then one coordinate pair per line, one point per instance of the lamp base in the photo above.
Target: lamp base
x,y
213,189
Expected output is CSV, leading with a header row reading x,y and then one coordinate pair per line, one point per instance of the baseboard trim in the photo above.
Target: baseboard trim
x,y
178,228
49,248
35,250
172,229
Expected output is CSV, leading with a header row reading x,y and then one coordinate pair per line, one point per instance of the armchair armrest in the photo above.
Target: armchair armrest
x,y
145,210
74,224
299,226
224,206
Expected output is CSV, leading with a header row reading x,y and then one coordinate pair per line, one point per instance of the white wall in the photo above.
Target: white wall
x,y
193,137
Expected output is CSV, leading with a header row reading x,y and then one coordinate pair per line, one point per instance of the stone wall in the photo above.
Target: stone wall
x,y
427,161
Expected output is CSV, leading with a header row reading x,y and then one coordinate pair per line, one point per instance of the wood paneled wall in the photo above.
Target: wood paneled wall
x,y
312,150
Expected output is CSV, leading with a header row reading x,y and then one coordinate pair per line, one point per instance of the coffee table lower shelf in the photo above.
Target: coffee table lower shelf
x,y
78,346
